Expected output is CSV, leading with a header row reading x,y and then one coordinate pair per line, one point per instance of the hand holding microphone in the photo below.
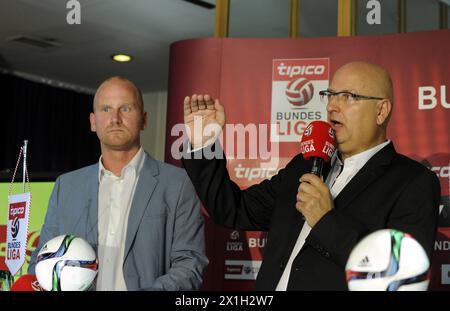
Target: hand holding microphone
x,y
314,199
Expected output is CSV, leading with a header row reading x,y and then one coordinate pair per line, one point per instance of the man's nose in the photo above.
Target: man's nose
x,y
333,104
116,117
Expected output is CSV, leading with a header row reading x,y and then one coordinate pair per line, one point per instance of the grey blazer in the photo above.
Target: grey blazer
x,y
164,248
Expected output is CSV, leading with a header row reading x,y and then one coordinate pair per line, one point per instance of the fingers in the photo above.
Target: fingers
x,y
187,106
311,178
218,105
305,196
194,103
200,102
307,193
315,181
301,207
209,102
306,189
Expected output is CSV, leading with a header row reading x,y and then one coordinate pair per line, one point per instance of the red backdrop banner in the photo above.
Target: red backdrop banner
x,y
276,81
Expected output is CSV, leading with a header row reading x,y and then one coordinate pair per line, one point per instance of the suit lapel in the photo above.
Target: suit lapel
x,y
92,204
144,190
368,173
293,220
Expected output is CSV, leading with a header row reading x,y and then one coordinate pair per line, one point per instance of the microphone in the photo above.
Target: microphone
x,y
26,283
318,144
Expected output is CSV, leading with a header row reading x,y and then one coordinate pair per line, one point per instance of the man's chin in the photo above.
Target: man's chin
x,y
117,145
340,144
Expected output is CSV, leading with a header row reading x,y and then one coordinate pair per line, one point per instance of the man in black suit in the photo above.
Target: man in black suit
x,y
313,224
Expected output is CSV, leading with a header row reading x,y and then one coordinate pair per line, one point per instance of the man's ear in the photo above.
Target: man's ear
x,y
384,111
92,121
144,120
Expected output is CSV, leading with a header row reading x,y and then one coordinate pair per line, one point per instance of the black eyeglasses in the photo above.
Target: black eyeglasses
x,y
348,97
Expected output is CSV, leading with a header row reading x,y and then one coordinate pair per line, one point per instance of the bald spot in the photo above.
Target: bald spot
x,y
375,80
120,80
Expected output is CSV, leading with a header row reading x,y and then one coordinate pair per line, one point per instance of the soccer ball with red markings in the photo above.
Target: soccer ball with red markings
x,y
388,260
299,91
66,263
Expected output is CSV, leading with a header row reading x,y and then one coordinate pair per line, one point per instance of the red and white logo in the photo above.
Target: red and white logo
x,y
308,130
299,91
295,100
331,133
17,230
242,269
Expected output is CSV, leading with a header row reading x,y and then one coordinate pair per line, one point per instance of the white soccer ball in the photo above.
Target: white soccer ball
x,y
299,91
388,260
66,263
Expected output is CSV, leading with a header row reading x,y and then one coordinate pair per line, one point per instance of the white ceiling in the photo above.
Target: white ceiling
x,y
146,28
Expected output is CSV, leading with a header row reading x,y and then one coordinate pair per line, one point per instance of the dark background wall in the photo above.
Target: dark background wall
x,y
55,122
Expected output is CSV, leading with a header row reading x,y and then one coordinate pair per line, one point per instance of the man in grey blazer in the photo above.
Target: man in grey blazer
x,y
142,216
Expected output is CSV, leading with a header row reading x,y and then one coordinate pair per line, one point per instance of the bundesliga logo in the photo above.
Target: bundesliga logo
x,y
15,227
294,102
299,91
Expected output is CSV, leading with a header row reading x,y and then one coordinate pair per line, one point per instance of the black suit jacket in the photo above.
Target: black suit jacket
x,y
390,191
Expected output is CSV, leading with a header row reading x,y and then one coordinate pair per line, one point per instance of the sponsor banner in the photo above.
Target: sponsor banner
x,y
242,269
295,96
249,172
234,244
17,230
41,195
431,97
245,244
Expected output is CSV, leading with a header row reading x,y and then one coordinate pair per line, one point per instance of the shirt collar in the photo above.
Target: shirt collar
x,y
357,161
135,164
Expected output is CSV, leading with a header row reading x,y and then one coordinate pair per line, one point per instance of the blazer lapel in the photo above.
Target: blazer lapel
x,y
368,173
92,204
144,190
293,220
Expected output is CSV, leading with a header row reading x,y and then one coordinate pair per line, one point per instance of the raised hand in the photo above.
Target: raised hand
x,y
204,119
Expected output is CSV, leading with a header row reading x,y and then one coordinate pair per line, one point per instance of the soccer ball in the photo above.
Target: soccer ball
x,y
299,91
66,263
388,260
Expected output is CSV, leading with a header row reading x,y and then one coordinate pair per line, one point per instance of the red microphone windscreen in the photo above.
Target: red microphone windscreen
x,y
318,140
26,283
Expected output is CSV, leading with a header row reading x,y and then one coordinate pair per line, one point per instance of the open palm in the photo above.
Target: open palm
x,y
204,118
